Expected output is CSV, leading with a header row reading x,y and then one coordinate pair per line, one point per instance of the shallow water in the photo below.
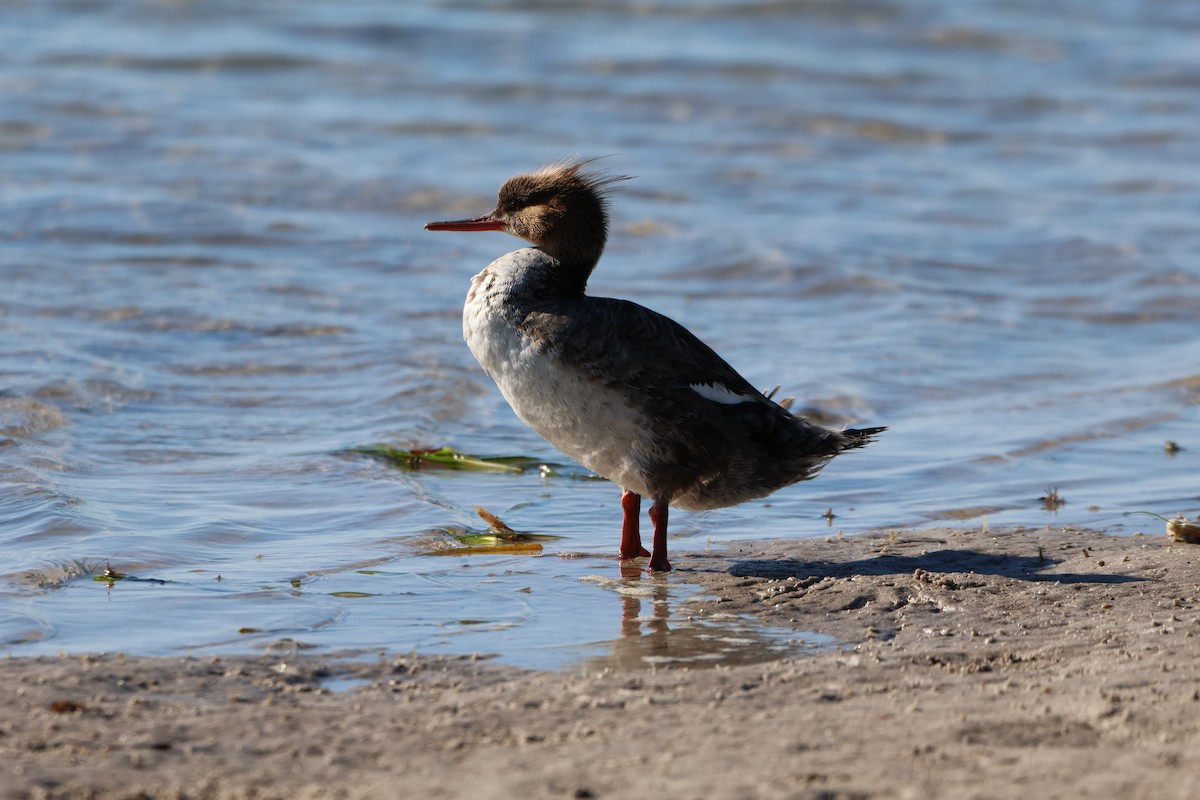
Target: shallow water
x,y
974,223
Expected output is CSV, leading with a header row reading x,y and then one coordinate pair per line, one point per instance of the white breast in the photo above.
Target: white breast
x,y
588,423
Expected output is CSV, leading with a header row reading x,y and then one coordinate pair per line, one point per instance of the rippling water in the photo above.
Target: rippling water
x,y
974,223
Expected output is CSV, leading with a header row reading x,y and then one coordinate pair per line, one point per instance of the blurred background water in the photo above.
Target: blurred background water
x,y
975,223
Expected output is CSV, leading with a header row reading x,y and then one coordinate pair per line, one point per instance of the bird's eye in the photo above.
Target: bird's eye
x,y
537,198
513,204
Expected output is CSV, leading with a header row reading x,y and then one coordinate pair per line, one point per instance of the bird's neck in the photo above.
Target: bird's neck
x,y
559,273
574,254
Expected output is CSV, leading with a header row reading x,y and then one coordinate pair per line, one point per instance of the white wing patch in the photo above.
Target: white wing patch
x,y
719,393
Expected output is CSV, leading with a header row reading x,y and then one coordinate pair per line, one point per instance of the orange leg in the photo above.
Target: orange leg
x,y
658,515
631,538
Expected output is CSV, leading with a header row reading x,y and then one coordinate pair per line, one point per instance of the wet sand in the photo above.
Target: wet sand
x,y
1003,664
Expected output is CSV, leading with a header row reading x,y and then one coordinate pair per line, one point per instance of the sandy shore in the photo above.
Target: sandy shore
x,y
1018,664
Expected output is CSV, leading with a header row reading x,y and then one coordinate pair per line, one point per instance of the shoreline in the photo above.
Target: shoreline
x,y
1008,664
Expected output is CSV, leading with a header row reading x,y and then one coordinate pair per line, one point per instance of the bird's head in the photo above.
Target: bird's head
x,y
560,208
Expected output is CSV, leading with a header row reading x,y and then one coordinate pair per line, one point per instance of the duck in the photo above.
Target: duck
x,y
626,392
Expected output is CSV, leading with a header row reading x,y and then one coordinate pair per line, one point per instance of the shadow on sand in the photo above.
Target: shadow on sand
x,y
1028,568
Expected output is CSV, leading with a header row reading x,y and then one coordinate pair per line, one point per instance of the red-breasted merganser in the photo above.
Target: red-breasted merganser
x,y
623,390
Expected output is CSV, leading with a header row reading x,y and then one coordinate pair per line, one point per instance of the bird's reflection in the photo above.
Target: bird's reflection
x,y
651,636
657,625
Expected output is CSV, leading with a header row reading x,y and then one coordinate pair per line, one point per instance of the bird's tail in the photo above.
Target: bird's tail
x,y
860,437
